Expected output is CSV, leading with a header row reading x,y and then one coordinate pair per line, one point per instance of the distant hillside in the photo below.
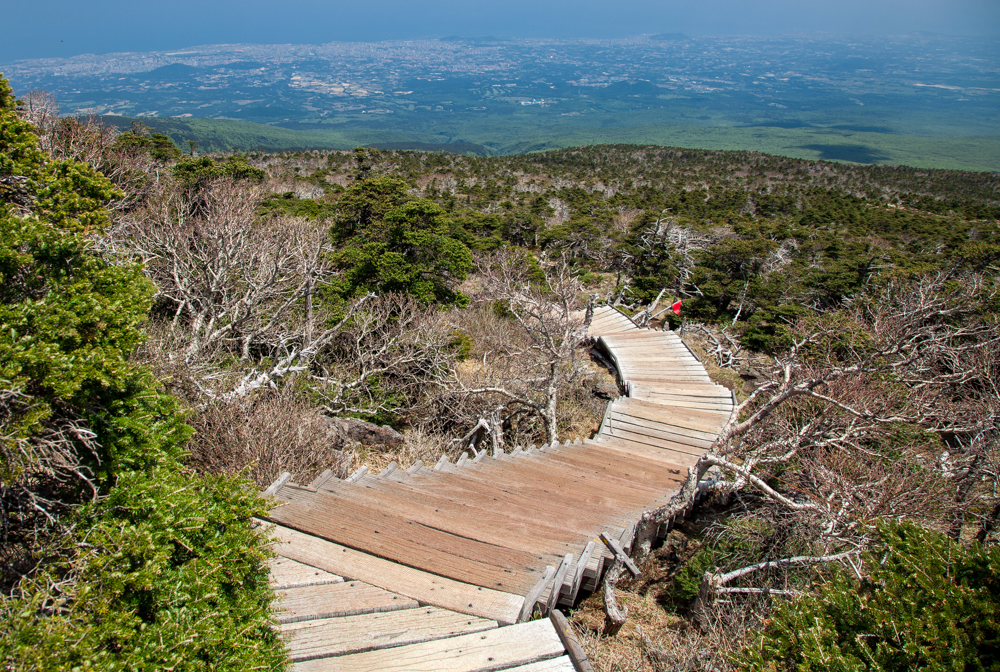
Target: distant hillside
x,y
979,153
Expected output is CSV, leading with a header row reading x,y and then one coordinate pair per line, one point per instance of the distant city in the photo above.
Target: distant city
x,y
917,85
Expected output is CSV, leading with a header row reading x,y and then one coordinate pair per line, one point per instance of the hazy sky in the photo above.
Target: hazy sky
x,y
45,28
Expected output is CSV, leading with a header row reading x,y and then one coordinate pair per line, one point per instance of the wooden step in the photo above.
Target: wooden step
x,y
495,649
393,538
468,493
426,587
705,421
657,428
328,637
339,599
286,573
482,524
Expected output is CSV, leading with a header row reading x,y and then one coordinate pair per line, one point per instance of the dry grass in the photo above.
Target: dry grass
x,y
660,635
417,444
264,436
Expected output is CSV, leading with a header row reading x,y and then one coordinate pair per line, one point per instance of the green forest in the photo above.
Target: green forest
x,y
179,328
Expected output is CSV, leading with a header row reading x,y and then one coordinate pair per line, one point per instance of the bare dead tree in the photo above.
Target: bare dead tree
x,y
553,317
384,360
41,474
665,237
230,280
86,139
724,348
887,408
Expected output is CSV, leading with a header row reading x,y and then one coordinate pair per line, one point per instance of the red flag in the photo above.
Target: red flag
x,y
676,308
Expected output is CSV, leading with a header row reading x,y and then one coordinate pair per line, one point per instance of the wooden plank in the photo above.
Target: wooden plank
x,y
413,583
683,388
574,519
581,567
496,649
321,479
531,599
415,467
665,405
672,452
336,599
361,471
366,632
389,469
286,573
647,333
627,537
660,430
706,393
557,582
673,462
620,554
277,485
645,418
393,538
673,442
560,664
570,643
682,417
652,394
581,471
633,468
482,525
547,484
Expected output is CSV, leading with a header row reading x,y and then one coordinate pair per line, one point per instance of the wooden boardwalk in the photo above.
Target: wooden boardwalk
x,y
441,567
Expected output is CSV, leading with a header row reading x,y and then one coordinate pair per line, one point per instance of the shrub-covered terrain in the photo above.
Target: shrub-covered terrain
x,y
115,555
179,330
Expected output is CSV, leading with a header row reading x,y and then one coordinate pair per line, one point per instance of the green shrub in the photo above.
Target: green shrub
x,y
169,575
135,563
930,603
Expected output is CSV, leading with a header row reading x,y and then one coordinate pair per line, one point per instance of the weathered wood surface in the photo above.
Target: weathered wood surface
x,y
560,664
355,634
286,573
337,599
490,650
482,541
424,586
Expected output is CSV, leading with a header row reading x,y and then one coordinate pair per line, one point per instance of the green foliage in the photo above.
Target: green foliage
x,y
736,544
194,173
142,565
930,603
462,343
287,203
391,244
172,576
163,149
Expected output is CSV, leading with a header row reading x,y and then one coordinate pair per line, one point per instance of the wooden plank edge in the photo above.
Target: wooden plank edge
x,y
451,594
278,484
573,649
536,591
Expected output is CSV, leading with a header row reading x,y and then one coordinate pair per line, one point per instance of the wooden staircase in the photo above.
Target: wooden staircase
x,y
448,563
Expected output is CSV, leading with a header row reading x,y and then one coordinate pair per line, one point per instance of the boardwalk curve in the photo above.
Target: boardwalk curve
x,y
441,568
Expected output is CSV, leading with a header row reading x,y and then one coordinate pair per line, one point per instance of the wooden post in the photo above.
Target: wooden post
x,y
356,476
557,582
569,641
277,485
536,591
620,555
321,479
